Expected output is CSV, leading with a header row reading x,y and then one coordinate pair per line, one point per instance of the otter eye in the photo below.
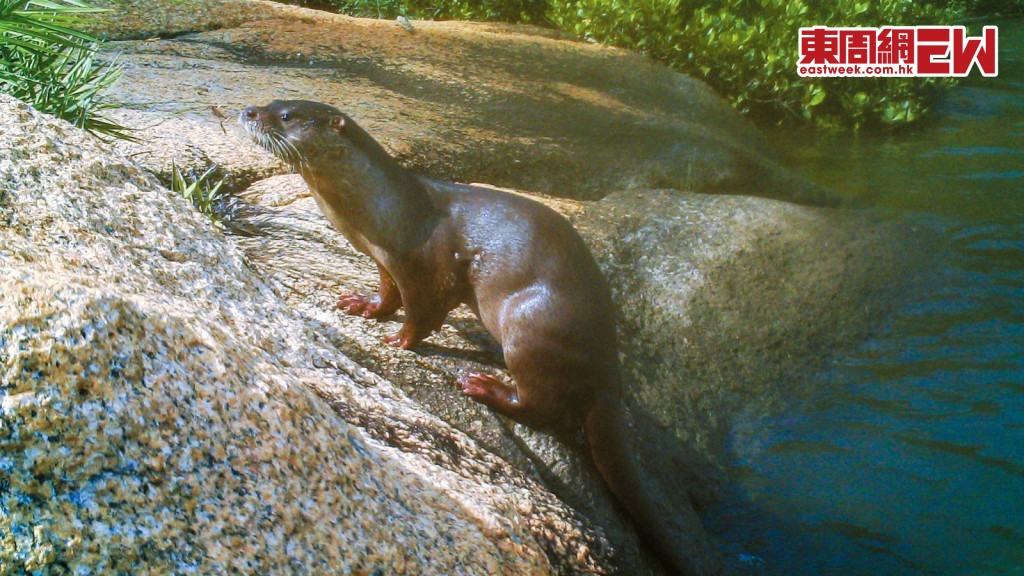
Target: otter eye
x,y
285,117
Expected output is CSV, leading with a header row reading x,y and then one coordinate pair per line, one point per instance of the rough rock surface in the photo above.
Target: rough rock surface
x,y
728,301
158,414
461,101
149,19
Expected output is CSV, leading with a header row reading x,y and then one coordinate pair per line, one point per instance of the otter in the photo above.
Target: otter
x,y
520,266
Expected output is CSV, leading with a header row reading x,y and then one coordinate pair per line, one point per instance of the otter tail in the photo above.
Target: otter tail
x,y
677,536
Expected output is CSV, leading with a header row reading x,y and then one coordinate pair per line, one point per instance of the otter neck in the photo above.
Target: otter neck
x,y
373,195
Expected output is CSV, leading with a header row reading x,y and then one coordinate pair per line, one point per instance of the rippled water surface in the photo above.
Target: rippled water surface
x,y
907,457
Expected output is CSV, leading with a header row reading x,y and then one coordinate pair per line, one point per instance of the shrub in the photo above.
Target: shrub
x,y
494,10
986,8
45,62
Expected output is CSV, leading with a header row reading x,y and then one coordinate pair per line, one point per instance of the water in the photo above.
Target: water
x,y
907,457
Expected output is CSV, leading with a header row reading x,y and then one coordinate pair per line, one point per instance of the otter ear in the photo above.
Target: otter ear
x,y
338,124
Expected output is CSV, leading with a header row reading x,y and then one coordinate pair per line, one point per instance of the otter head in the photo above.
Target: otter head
x,y
296,130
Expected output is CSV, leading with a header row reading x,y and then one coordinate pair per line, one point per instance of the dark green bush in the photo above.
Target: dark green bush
x,y
48,64
985,8
494,10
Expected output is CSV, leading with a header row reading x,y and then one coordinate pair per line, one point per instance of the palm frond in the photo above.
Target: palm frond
x,y
46,62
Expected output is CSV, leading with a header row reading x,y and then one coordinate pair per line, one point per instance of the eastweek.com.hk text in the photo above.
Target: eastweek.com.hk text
x,y
897,51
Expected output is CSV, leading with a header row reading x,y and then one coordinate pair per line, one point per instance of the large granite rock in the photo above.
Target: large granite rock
x,y
162,409
728,301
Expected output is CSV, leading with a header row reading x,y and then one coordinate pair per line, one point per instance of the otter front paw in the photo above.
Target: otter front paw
x,y
361,305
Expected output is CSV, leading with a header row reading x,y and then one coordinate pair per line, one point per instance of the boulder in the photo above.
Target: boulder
x,y
162,409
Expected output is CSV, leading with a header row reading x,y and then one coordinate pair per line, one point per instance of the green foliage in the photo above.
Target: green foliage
x,y
984,8
45,62
495,10
198,191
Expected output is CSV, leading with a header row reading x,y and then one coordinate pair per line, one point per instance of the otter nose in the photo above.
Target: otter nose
x,y
250,113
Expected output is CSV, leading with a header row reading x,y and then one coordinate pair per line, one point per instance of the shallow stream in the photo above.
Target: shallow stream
x,y
906,457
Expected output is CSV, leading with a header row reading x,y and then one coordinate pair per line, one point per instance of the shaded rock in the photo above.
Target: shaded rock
x,y
728,301
459,101
161,411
